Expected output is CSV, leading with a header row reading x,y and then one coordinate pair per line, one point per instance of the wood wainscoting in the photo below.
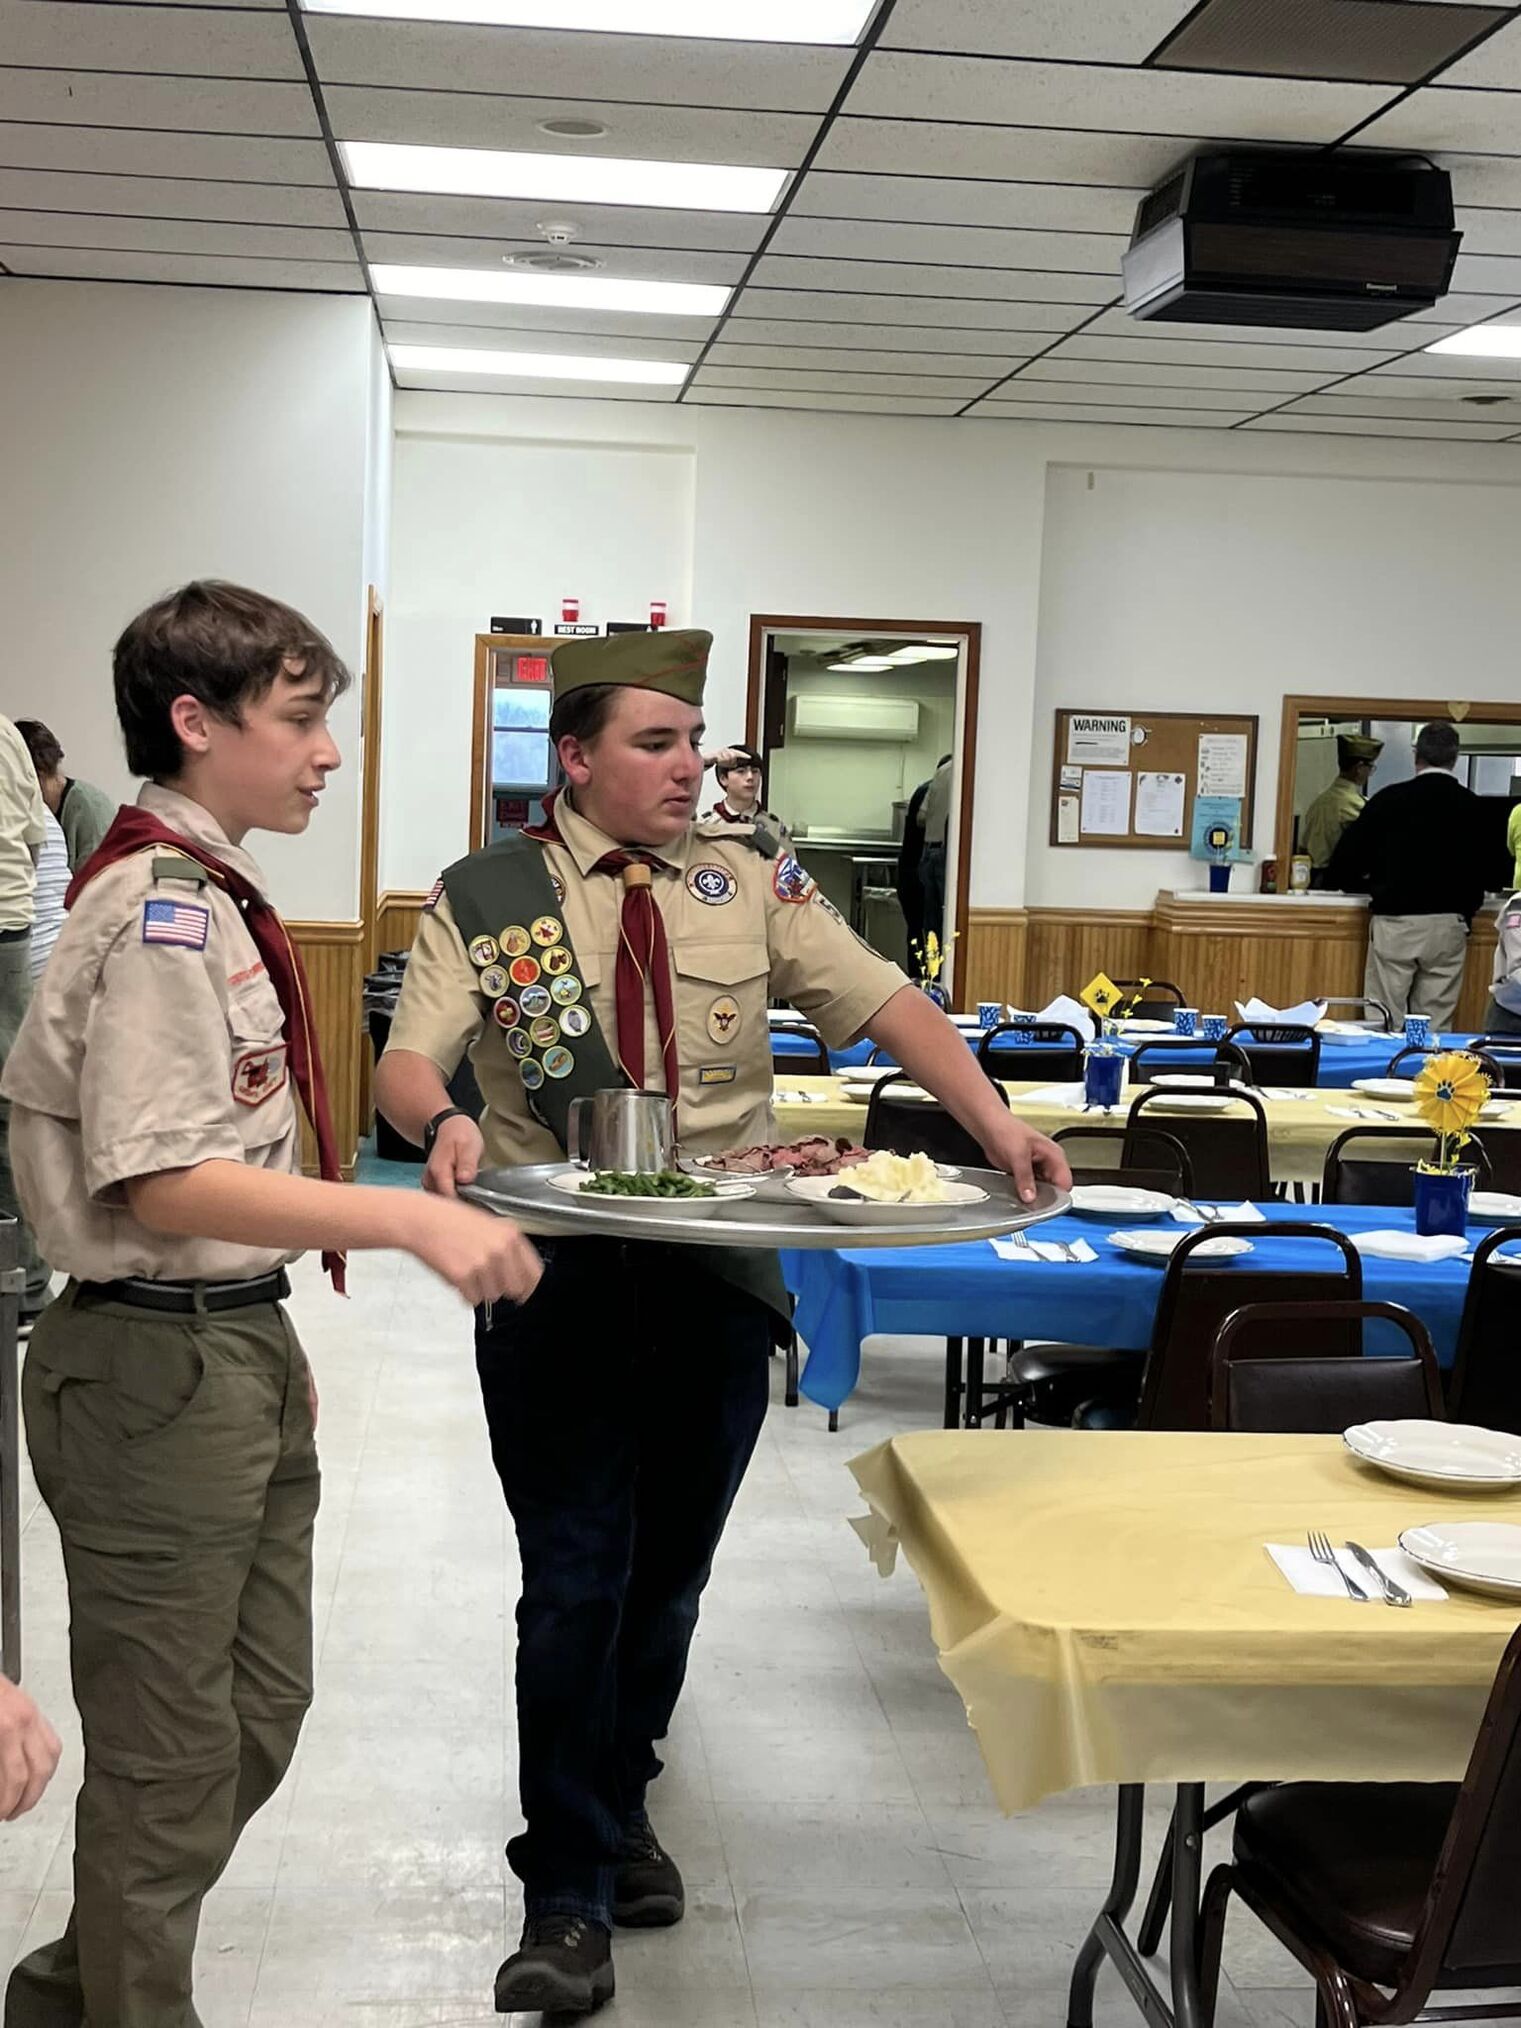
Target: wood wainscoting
x,y
333,954
992,963
400,910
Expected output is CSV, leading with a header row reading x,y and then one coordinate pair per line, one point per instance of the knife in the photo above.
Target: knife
x,y
1394,1594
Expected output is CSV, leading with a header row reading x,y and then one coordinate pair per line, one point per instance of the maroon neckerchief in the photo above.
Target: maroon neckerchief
x,y
643,954
135,830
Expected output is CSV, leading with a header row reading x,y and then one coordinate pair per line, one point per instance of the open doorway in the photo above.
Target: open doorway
x,y
852,719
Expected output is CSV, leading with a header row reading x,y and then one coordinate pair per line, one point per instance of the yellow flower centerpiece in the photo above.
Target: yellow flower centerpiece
x,y
1450,1093
929,962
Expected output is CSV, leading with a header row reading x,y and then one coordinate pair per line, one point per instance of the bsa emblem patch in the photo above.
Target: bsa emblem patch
x,y
259,1075
790,881
712,884
723,1018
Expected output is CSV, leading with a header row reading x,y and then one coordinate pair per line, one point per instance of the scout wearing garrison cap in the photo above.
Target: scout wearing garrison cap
x,y
622,942
1334,808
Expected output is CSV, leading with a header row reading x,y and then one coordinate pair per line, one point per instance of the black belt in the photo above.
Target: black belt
x,y
187,1299
14,936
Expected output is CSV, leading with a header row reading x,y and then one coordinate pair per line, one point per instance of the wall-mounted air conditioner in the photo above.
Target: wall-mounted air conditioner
x,y
880,718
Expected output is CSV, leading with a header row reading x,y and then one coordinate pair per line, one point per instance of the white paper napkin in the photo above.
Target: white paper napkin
x,y
1410,1245
1067,1096
1043,1249
1318,1580
1236,1214
1305,1015
1062,1008
1380,1116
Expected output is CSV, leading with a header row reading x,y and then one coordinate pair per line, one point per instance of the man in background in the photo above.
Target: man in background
x,y
936,816
1417,852
84,812
1339,805
910,875
23,830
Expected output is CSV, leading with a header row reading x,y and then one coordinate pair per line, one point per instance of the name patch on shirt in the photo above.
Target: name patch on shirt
x,y
259,1075
718,1073
176,922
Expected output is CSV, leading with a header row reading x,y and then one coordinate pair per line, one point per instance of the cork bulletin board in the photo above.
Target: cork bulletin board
x,y
1152,779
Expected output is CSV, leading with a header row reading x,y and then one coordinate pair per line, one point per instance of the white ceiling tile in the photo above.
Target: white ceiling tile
x,y
175,235
961,313
118,151
217,270
972,246
606,225
937,386
277,4
1484,179
1475,122
1364,400
642,69
1119,31
490,383
1496,61
1110,99
917,147
416,249
948,200
1491,232
534,321
1490,274
890,339
1103,394
402,331
1148,373
653,133
78,98
1008,285
1180,418
164,197
1456,308
861,359
842,404
194,42
1356,426
1120,324
1264,363
1416,386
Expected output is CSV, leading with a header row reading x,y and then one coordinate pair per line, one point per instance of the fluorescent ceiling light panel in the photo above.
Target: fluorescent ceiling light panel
x,y
536,365
1483,341
573,179
570,292
867,665
924,651
716,20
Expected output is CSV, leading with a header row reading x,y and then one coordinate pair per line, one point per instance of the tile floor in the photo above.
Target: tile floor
x,y
845,1864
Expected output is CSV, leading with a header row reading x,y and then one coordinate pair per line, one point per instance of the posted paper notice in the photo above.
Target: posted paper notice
x,y
1066,820
1222,764
1098,739
1159,805
1106,802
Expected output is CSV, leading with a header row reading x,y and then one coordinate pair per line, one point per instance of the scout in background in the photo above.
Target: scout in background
x,y
738,771
622,943
23,833
84,812
1503,1014
169,1408
1337,806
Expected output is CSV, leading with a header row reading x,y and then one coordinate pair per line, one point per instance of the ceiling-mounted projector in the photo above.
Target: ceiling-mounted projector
x,y
1292,237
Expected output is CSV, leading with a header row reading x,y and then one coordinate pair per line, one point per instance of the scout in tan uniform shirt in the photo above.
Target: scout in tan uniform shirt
x,y
168,1404
624,1399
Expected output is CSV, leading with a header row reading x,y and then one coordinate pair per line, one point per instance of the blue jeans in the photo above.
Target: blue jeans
x,y
623,1400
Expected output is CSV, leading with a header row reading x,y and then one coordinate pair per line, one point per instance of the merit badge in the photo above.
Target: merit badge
x,y
718,1073
559,887
184,923
723,1018
493,982
508,1013
518,1044
558,1062
566,991
713,884
547,929
556,961
574,1021
514,940
544,1031
534,1000
259,1075
484,952
790,881
531,1073
523,971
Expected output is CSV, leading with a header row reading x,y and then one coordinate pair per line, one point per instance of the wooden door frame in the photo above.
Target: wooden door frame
x,y
970,631
1411,710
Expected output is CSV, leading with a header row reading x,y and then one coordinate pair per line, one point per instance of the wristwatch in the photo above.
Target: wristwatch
x,y
430,1131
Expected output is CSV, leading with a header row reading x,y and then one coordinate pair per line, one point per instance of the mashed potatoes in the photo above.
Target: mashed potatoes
x,y
897,1179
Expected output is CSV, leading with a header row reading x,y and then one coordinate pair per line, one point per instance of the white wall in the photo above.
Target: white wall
x,y
152,435
851,785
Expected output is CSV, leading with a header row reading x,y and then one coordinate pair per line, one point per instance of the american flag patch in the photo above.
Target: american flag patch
x,y
435,895
176,922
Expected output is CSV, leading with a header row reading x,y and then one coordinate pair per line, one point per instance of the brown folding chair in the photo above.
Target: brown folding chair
x,y
904,1126
810,1061
1279,1052
1053,1052
1134,1159
1486,1375
1229,1152
1380,1167
1259,1379
1154,1003
1388,1892
1223,1060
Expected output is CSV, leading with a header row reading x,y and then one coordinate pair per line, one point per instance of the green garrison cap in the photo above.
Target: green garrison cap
x,y
674,663
1355,746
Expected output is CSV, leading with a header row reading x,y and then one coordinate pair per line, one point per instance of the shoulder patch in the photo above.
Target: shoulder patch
x,y
184,923
791,881
175,866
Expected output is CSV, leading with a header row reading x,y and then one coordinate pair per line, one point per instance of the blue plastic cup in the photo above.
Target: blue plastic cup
x,y
1214,1027
1417,1031
989,1013
1103,1076
1185,1021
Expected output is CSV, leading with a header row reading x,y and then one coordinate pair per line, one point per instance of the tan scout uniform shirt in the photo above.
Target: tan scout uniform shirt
x,y
22,825
1327,817
734,941
138,1056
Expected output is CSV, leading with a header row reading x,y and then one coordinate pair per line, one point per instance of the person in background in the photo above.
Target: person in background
x,y
1513,845
936,815
23,832
84,812
1417,851
910,875
1503,1014
49,897
738,773
1339,805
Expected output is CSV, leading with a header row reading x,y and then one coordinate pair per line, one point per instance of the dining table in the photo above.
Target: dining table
x,y
1105,1604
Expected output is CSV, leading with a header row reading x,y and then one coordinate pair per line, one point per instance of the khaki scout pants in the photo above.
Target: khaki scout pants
x,y
1415,965
177,1457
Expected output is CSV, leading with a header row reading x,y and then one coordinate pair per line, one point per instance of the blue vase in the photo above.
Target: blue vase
x,y
1441,1201
938,994
1103,1076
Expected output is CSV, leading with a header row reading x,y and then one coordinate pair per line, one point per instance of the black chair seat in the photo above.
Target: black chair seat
x,y
1033,1364
1353,1860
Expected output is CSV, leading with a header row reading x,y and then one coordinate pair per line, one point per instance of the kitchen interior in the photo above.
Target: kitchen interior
x,y
852,726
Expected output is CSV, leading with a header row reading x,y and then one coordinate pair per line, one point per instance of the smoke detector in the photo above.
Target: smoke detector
x,y
573,130
557,258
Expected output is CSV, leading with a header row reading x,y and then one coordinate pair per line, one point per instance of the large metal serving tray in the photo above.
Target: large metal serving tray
x,y
525,1195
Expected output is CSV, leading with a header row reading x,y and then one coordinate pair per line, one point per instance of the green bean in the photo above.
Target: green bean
x,y
666,1185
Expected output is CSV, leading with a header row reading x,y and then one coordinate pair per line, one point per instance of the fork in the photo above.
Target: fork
x,y
1321,1550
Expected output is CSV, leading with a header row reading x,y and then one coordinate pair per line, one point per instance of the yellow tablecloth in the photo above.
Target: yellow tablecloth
x,y
1104,1604
1300,1130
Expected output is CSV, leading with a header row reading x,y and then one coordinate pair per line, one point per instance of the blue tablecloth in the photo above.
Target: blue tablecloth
x,y
1340,1062
969,1292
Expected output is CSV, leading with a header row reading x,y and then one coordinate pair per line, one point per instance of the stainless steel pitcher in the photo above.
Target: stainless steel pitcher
x,y
632,1132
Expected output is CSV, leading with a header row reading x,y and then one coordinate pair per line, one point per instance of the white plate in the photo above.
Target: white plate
x,y
1400,1089
1494,1109
1115,1200
868,1073
1159,1246
1196,1102
1477,1555
863,1211
574,1181
1187,1080
1438,1453
1493,1207
862,1093
768,1184
1129,1027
